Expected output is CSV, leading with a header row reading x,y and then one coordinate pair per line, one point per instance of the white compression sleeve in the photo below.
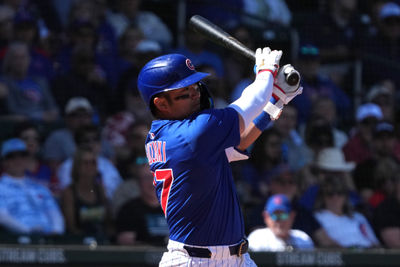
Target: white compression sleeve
x,y
254,97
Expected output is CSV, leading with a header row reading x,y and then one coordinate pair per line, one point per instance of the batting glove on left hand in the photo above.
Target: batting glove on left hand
x,y
282,93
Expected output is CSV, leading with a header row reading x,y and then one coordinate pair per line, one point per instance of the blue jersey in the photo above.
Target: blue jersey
x,y
193,178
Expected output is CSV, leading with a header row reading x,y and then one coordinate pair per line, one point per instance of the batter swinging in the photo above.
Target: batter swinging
x,y
189,147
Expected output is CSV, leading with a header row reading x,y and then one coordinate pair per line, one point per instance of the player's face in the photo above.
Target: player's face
x,y
183,102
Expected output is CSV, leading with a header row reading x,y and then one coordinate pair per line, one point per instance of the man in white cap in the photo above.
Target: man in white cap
x,y
358,148
60,144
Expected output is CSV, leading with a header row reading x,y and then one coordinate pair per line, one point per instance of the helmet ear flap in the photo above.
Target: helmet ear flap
x,y
206,100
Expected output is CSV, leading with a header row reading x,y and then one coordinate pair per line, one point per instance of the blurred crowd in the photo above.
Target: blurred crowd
x,y
73,125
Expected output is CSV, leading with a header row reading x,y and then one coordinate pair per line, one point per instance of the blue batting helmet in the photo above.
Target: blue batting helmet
x,y
165,73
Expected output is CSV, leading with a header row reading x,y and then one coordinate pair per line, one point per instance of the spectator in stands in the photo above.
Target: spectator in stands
x,y
339,31
384,95
60,143
285,181
387,216
358,148
129,188
382,147
128,12
239,70
385,173
36,168
318,135
6,25
28,97
216,85
266,155
261,14
127,43
225,13
94,12
89,136
32,31
87,28
132,146
25,206
134,52
296,152
86,79
141,221
84,202
324,110
196,49
329,162
315,85
279,234
334,212
381,51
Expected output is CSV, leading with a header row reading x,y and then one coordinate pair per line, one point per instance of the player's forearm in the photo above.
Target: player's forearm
x,y
248,136
254,98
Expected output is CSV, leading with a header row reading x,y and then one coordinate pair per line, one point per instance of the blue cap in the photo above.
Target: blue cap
x,y
12,145
278,202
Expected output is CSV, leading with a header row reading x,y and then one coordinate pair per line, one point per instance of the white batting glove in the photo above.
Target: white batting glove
x,y
282,93
267,60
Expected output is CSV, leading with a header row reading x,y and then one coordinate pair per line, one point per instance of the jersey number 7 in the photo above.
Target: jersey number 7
x,y
166,176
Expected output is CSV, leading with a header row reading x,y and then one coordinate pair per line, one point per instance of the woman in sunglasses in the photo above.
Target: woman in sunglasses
x,y
334,212
84,201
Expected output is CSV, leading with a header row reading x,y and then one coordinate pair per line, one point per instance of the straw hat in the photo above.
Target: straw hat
x,y
332,159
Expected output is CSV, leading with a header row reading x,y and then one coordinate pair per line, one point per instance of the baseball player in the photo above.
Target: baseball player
x,y
189,147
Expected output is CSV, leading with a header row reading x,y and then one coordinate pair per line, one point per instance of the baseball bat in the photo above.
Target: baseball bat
x,y
220,37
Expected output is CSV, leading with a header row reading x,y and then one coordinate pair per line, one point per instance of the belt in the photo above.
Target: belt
x,y
237,250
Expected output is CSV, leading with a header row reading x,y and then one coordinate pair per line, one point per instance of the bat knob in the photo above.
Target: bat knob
x,y
292,78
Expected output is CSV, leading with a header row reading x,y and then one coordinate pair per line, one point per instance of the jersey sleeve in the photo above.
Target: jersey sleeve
x,y
214,130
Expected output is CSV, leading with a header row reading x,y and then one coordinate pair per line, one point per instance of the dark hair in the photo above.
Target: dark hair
x,y
23,126
80,134
333,183
258,155
77,161
318,133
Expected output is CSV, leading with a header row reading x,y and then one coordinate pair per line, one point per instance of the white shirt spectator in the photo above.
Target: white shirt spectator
x,y
28,207
265,240
109,175
348,231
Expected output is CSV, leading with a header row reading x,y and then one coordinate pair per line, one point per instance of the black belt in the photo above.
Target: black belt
x,y
237,250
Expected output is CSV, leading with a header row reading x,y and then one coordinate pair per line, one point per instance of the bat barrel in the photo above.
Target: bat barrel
x,y
217,35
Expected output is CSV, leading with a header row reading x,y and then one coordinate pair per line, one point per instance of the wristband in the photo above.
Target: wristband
x,y
262,121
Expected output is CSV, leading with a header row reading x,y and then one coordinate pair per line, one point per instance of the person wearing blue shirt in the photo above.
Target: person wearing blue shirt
x,y
189,147
25,206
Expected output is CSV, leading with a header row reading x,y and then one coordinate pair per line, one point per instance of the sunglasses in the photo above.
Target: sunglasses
x,y
286,182
335,192
279,216
15,155
89,162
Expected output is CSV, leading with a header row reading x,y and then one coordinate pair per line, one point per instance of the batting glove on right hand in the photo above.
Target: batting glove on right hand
x,y
267,60
282,93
